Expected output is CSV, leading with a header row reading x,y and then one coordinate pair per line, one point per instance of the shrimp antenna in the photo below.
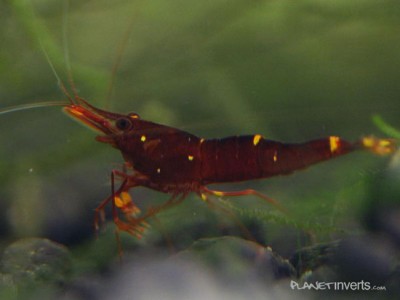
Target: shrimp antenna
x,y
117,62
59,81
66,47
31,105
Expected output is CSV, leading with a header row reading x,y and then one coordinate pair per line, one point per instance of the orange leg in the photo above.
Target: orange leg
x,y
174,200
124,203
205,190
137,225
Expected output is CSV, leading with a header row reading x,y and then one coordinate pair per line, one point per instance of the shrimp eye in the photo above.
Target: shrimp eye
x,y
123,124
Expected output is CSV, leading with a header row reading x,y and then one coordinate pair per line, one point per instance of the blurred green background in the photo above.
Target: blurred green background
x,y
290,70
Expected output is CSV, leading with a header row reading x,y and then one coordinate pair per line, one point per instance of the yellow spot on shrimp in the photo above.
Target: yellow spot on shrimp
x,y
190,157
203,197
384,146
275,156
334,143
122,199
368,141
217,193
379,146
384,143
143,138
257,139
